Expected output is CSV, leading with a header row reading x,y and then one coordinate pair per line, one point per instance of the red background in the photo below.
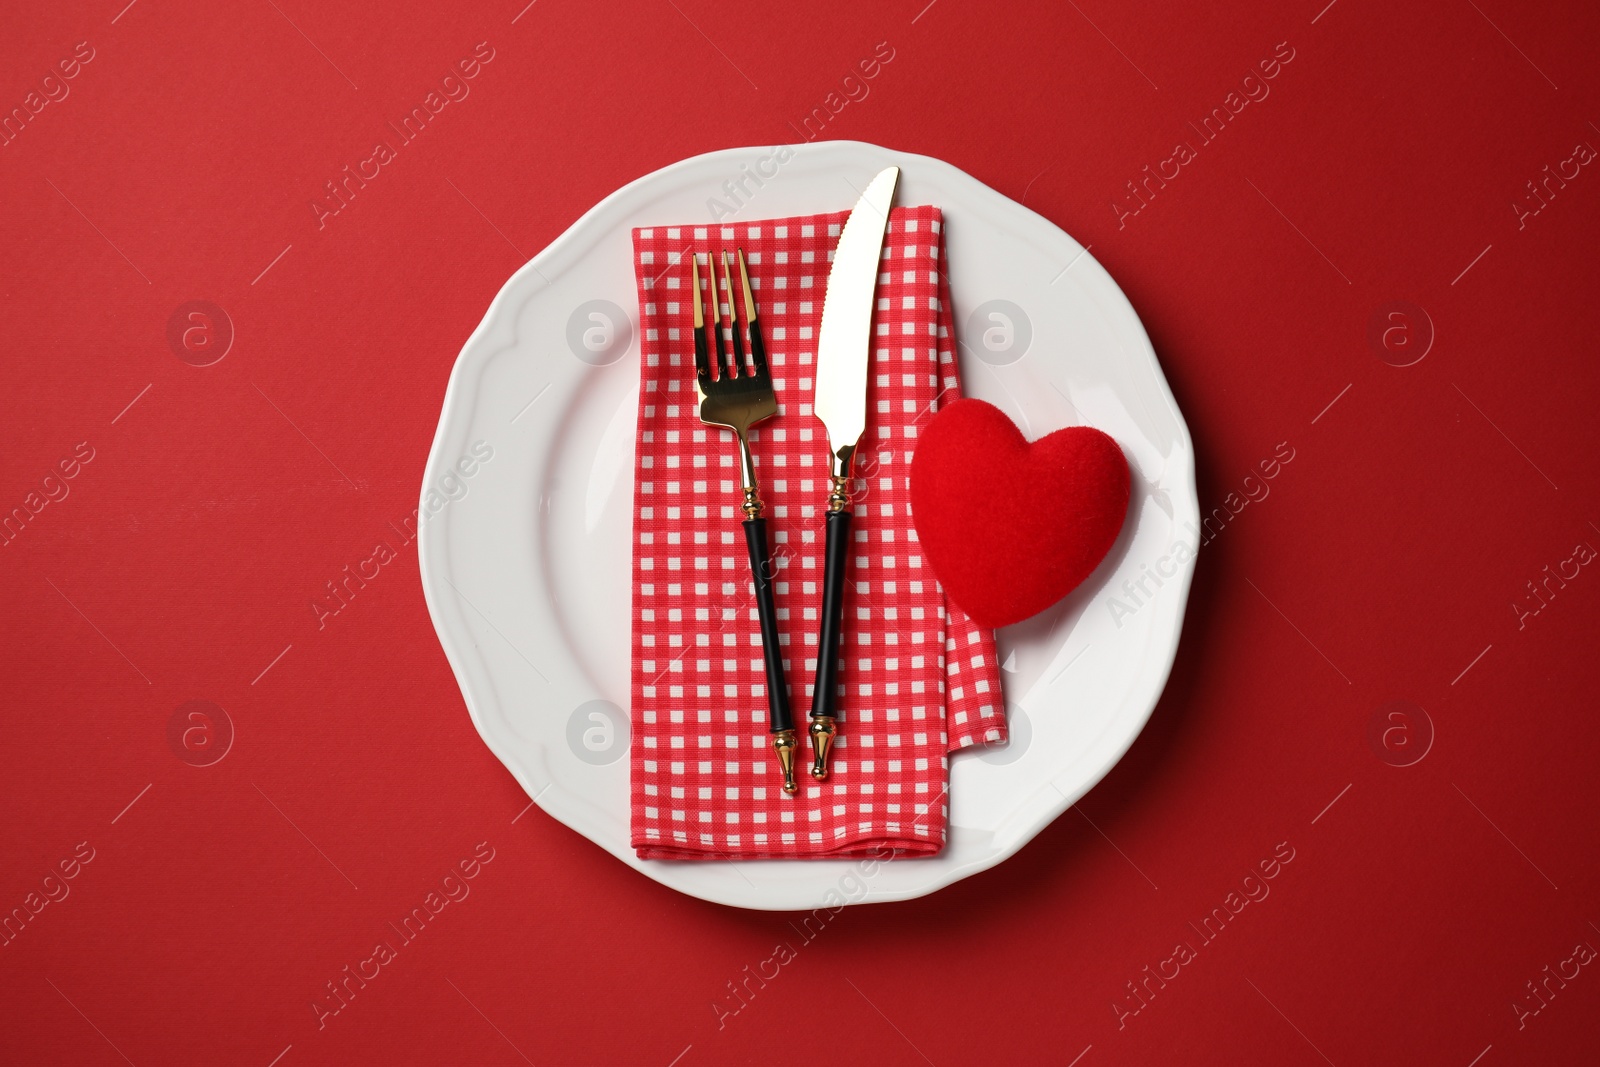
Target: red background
x,y
1383,566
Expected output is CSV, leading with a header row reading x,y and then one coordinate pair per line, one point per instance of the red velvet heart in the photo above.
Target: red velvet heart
x,y
1011,527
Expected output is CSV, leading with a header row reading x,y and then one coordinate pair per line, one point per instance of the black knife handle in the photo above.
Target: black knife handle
x,y
837,557
778,714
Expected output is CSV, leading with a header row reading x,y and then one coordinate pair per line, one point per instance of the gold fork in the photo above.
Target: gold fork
x,y
736,398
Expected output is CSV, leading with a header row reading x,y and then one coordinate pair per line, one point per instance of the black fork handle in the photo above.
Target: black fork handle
x,y
836,557
761,571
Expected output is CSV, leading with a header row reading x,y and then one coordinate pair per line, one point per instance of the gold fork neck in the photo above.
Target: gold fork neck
x,y
747,472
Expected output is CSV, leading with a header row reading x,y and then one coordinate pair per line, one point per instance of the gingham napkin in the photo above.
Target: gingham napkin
x,y
919,678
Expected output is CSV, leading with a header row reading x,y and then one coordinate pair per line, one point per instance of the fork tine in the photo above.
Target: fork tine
x,y
716,315
758,349
728,364
733,316
702,361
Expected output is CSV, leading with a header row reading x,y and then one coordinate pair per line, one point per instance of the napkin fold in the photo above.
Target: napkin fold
x,y
918,678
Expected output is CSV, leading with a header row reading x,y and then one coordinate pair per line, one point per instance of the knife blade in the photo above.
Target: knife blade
x,y
843,340
844,344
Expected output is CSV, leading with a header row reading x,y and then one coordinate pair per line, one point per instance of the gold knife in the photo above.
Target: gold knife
x,y
844,344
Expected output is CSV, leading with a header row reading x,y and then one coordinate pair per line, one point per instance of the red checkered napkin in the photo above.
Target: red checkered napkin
x,y
918,678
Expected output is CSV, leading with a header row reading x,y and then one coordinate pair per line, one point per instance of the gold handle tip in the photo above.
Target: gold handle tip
x,y
823,729
784,743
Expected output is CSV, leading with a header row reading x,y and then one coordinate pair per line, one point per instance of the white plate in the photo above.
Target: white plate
x,y
525,560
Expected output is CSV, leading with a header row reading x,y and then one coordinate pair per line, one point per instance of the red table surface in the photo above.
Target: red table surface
x,y
1438,910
